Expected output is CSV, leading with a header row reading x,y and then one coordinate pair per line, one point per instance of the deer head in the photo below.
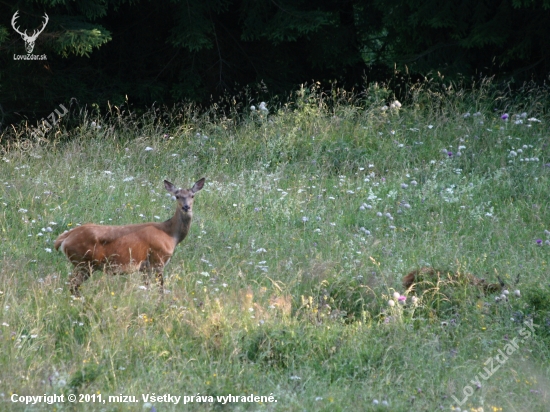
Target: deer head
x,y
29,40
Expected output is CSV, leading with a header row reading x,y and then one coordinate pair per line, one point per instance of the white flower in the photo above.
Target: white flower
x,y
148,149
396,295
467,114
263,108
430,126
517,293
129,179
395,105
252,108
533,119
391,303
22,210
305,219
48,250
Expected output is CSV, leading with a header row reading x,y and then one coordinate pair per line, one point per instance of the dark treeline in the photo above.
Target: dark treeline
x,y
101,51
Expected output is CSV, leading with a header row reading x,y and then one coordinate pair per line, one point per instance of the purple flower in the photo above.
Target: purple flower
x,y
539,242
450,154
256,209
504,116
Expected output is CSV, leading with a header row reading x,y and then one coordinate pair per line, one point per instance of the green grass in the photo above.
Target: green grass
x,y
282,285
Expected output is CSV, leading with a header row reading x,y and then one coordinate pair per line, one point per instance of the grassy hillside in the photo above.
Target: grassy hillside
x,y
310,216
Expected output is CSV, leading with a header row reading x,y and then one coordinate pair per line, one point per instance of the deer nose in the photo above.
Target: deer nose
x,y
186,208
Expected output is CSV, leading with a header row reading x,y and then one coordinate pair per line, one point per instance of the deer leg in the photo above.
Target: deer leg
x,y
160,281
79,275
145,268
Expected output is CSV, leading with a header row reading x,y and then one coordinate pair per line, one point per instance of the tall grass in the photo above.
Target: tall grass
x,y
310,216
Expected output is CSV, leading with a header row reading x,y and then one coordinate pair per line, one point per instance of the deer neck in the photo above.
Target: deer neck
x,y
179,225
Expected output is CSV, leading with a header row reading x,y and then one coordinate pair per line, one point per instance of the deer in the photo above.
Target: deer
x,y
29,40
429,274
143,247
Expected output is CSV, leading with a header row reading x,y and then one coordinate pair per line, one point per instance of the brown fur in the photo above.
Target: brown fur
x,y
431,274
146,247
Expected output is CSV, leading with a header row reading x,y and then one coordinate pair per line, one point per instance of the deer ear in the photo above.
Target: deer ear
x,y
198,186
169,186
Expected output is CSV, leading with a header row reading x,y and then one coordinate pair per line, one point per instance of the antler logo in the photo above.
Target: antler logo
x,y
29,40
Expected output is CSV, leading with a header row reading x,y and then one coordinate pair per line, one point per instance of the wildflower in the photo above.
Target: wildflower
x,y
513,153
305,219
252,108
263,108
414,182
48,250
504,116
375,401
430,126
148,149
414,300
450,154
402,300
533,119
391,303
295,378
517,293
261,250
395,105
466,115
128,179
404,185
384,108
539,242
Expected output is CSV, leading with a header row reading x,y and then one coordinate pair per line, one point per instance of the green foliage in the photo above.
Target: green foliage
x,y
465,37
79,37
284,283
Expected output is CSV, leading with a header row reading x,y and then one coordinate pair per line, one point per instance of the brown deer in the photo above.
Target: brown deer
x,y
144,247
429,274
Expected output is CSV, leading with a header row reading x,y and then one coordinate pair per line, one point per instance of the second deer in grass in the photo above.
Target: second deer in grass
x,y
433,276
146,247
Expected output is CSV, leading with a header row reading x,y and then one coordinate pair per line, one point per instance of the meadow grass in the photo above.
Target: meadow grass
x,y
309,218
